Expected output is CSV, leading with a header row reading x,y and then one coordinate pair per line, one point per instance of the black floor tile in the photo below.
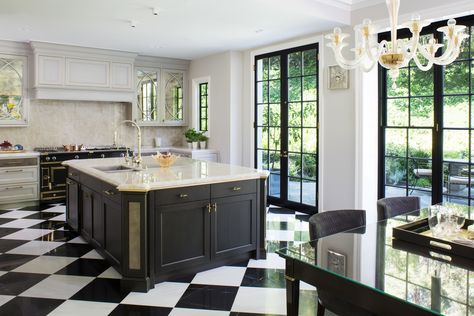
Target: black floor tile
x,y
274,278
31,306
5,220
59,235
4,231
101,290
14,283
137,310
243,263
185,278
12,261
210,297
251,314
42,215
49,225
85,267
9,244
70,250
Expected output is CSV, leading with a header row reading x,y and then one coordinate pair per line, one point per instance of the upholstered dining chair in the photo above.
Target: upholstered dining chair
x,y
329,223
393,206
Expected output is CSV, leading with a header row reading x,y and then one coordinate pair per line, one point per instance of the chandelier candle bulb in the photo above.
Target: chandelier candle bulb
x,y
396,53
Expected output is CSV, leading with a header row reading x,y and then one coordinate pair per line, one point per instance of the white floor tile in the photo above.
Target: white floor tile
x,y
196,312
17,214
58,286
36,247
3,272
45,264
273,261
306,286
260,301
28,234
22,223
61,218
81,308
77,240
280,235
5,298
110,273
93,254
226,276
165,294
56,209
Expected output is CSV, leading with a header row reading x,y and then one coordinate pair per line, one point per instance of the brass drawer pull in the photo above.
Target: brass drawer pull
x,y
11,171
109,192
12,188
214,206
183,196
440,245
236,188
70,182
209,207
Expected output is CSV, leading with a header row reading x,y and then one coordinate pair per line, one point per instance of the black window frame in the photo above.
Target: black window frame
x,y
201,106
438,127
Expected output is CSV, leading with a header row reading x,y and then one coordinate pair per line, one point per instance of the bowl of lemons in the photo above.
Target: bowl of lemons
x,y
165,160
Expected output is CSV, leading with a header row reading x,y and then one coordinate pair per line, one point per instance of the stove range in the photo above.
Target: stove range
x,y
53,174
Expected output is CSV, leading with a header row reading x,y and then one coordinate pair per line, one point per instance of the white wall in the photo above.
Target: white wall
x,y
225,99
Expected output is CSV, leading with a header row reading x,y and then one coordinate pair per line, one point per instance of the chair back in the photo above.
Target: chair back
x,y
332,222
394,206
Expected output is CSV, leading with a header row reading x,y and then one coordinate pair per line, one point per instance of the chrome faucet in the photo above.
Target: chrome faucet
x,y
138,159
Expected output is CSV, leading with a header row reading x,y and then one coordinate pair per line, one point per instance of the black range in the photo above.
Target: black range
x,y
53,173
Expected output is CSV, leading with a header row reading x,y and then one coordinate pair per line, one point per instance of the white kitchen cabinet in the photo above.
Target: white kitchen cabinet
x,y
19,180
65,72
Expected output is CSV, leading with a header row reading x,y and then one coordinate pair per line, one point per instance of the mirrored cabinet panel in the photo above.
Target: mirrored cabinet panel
x,y
160,97
147,95
13,90
173,93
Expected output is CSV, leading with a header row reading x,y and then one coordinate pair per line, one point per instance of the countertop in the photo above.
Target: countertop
x,y
184,172
178,150
25,154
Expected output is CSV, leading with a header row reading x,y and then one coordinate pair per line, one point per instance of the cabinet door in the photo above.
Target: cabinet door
x,y
182,235
113,228
88,73
145,106
50,70
87,208
121,76
98,219
174,97
72,204
234,225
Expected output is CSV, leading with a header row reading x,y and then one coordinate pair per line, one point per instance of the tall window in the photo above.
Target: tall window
x,y
427,128
179,102
203,106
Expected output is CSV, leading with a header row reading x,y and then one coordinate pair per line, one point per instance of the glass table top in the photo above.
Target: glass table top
x,y
371,257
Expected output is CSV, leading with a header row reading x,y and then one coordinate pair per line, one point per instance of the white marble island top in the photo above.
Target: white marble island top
x,y
184,172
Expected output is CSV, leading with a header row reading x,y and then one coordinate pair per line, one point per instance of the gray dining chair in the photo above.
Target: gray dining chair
x,y
329,223
394,206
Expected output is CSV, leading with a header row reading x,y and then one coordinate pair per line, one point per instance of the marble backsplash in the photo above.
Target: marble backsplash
x,y
53,123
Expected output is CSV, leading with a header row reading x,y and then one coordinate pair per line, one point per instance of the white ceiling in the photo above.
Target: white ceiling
x,y
183,28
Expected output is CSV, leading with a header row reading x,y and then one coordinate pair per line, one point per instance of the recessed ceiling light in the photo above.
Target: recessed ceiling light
x,y
258,31
156,11
133,24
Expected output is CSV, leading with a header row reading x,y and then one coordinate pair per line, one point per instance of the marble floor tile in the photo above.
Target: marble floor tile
x,y
260,300
35,247
227,275
83,308
165,294
45,264
28,234
58,286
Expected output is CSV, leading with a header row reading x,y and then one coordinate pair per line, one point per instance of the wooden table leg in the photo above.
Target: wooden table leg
x,y
292,295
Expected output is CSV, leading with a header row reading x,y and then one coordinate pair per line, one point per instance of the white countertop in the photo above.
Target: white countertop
x,y
179,150
184,172
25,154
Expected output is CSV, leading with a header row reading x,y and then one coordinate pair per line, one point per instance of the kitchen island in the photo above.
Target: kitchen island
x,y
158,223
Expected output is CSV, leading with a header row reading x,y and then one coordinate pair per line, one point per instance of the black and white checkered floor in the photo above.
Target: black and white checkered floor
x,y
47,269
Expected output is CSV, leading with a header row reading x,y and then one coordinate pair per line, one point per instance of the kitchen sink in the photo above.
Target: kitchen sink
x,y
116,168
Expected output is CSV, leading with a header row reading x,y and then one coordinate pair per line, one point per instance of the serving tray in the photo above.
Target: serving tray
x,y
419,233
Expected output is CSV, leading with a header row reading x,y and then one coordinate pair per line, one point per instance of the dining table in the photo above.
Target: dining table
x,y
368,268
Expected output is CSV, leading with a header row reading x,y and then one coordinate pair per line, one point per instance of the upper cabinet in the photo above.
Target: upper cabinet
x,y
77,73
13,90
161,93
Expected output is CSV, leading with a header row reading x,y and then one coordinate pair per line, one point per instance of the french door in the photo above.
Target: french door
x,y
286,125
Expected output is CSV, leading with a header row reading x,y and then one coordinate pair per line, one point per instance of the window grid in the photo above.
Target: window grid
x,y
203,107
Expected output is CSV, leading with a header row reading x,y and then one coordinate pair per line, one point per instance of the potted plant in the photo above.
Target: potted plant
x,y
202,140
192,138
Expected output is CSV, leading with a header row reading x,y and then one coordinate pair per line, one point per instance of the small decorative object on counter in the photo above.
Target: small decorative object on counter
x,y
6,145
18,147
192,138
165,160
202,140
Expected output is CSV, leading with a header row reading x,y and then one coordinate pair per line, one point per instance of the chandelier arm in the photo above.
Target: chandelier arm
x,y
413,47
343,62
421,66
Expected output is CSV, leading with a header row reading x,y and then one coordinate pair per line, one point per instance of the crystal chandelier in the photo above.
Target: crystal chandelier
x,y
397,53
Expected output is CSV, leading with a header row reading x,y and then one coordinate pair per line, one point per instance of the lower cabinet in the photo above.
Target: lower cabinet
x,y
87,212
72,204
195,233
112,219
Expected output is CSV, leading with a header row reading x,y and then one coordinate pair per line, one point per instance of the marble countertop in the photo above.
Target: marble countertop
x,y
179,150
25,154
184,172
